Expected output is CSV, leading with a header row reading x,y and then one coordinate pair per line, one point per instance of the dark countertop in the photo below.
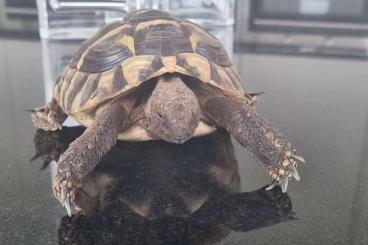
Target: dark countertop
x,y
320,104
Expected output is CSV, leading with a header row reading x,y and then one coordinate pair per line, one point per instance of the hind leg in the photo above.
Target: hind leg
x,y
49,117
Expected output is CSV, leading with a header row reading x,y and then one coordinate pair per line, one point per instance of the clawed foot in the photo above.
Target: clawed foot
x,y
280,174
65,187
48,118
45,118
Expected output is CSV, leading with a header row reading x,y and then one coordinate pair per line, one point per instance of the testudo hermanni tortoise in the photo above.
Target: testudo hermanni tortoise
x,y
152,76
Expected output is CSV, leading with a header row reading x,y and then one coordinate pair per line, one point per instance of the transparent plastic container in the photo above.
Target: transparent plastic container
x,y
68,19
215,16
206,13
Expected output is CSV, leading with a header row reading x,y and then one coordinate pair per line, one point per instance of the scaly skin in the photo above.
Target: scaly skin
x,y
86,152
49,117
258,135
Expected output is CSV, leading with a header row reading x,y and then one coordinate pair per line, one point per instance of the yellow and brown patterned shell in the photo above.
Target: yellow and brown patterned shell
x,y
146,44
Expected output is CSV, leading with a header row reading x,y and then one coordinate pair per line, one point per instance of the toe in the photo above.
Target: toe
x,y
68,208
65,187
281,173
65,194
294,172
298,158
272,185
284,183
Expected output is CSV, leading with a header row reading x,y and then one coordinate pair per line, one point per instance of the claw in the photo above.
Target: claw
x,y
37,155
63,193
272,185
67,207
298,157
294,172
45,165
284,183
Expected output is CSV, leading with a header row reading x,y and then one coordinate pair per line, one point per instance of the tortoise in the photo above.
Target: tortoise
x,y
152,76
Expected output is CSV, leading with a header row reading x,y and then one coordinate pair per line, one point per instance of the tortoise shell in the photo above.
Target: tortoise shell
x,y
144,45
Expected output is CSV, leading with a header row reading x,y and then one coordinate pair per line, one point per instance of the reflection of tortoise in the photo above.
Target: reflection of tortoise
x,y
152,76
151,201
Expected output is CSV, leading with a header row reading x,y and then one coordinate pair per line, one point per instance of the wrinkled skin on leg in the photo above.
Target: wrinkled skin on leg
x,y
251,130
86,152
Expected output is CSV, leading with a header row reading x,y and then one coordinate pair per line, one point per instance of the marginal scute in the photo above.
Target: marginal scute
x,y
118,81
197,66
169,62
185,68
77,86
215,76
155,66
59,82
89,88
102,92
157,63
139,68
68,75
233,79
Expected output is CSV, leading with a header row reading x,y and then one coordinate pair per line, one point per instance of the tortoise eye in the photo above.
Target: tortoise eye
x,y
160,116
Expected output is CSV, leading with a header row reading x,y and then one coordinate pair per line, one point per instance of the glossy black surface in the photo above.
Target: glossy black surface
x,y
160,193
320,104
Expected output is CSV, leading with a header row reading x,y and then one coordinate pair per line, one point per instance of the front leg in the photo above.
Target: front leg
x,y
257,134
86,152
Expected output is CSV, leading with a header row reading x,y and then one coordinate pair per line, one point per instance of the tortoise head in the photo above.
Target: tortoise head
x,y
172,110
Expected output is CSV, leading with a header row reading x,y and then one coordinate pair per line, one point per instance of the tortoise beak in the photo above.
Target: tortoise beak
x,y
181,139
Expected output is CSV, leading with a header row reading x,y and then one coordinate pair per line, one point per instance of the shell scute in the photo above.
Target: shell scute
x,y
106,52
144,15
146,44
88,91
118,81
164,39
87,43
101,59
206,44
